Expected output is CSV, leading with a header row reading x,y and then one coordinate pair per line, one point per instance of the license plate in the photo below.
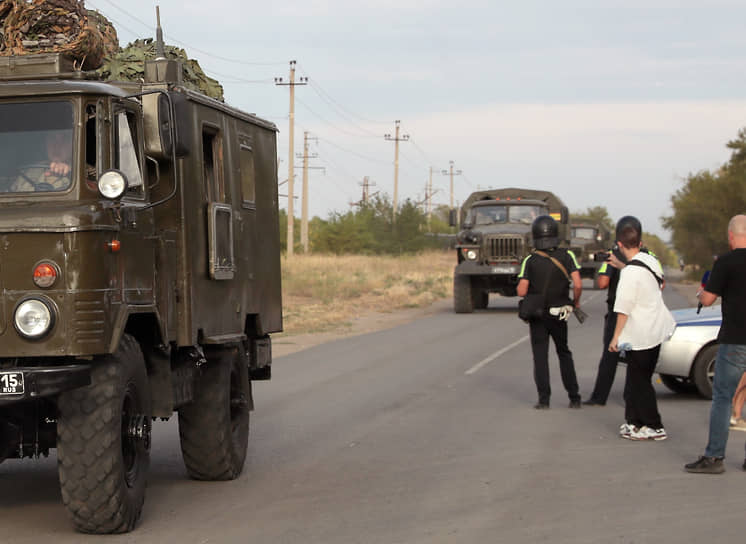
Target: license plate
x,y
11,383
502,269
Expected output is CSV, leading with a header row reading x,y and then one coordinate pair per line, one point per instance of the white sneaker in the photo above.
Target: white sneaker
x,y
626,429
647,433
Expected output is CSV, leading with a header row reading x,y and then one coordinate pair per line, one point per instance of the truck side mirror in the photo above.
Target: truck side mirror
x,y
158,126
564,215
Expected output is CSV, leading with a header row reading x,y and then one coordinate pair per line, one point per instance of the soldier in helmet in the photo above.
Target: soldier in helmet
x,y
549,270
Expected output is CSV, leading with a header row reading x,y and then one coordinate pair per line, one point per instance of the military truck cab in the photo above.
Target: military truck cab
x,y
139,277
495,237
589,242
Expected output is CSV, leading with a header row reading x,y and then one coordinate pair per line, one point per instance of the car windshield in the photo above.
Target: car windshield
x,y
586,233
525,214
36,147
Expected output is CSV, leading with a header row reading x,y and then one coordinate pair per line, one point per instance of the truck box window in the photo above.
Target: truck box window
x,y
248,179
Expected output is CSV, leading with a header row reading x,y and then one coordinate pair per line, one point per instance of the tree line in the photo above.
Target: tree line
x,y
705,204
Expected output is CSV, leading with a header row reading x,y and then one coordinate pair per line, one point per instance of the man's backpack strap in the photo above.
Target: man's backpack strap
x,y
635,262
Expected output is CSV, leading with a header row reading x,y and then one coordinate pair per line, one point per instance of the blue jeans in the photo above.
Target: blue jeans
x,y
730,365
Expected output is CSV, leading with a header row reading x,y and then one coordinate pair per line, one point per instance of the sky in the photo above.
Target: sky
x,y
605,102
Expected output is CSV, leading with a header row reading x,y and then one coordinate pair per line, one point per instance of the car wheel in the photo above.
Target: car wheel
x,y
703,370
678,384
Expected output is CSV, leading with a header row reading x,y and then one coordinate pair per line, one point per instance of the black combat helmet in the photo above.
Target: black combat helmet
x,y
628,221
545,232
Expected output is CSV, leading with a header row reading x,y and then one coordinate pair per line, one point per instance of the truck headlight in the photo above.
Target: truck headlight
x,y
33,318
112,184
471,254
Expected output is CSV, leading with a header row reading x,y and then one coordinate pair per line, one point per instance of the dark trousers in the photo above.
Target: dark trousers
x,y
640,404
541,330
607,364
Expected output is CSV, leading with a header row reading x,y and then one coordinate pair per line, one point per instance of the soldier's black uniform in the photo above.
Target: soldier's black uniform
x,y
535,269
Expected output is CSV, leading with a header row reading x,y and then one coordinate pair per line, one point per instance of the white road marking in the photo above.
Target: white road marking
x,y
488,360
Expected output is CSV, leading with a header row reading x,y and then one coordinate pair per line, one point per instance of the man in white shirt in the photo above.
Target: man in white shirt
x,y
643,323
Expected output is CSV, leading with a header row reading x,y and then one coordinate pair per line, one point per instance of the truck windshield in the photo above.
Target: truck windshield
x,y
586,233
526,214
36,147
486,215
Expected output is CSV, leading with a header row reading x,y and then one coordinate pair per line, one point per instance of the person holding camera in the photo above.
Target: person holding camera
x,y
642,323
727,282
608,277
545,275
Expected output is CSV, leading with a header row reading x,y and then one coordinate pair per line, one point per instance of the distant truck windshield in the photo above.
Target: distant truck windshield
x,y
586,233
501,213
36,146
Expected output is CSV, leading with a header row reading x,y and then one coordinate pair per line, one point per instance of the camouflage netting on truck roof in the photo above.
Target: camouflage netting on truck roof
x,y
129,64
29,27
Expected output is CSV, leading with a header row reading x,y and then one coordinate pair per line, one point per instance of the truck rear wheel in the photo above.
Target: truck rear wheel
x,y
481,299
214,427
462,294
103,443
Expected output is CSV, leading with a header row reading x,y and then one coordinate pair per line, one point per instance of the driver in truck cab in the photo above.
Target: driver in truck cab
x,y
53,174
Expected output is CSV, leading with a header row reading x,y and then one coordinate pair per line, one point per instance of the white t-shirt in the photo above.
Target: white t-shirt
x,y
639,297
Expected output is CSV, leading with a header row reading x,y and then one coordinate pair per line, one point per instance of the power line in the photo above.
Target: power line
x,y
324,120
172,39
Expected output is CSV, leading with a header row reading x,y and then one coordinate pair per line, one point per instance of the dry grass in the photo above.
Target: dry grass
x,y
326,292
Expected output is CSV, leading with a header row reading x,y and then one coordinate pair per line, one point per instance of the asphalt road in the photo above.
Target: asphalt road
x,y
425,433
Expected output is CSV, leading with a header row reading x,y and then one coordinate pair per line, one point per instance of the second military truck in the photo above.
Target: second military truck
x,y
494,240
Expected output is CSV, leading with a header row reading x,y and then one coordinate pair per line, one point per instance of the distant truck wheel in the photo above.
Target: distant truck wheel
x,y
214,427
103,443
463,301
703,370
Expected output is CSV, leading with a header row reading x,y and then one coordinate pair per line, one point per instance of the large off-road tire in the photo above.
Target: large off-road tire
x,y
678,384
214,427
463,302
703,370
103,443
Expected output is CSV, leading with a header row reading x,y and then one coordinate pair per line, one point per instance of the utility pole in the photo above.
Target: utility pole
x,y
304,201
292,83
366,184
452,173
396,139
429,196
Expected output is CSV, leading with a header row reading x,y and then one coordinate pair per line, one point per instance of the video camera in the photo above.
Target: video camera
x,y
602,256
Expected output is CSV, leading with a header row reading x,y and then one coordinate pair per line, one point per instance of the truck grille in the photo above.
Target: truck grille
x,y
504,248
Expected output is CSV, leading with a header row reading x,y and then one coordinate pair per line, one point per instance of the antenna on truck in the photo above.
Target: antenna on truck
x,y
160,53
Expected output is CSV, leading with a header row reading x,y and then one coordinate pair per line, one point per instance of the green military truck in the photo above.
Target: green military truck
x,y
139,277
589,242
495,238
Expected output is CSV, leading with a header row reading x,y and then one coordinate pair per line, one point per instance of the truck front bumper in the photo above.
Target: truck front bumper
x,y
472,268
33,382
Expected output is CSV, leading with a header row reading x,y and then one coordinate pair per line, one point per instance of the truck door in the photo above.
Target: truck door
x,y
137,233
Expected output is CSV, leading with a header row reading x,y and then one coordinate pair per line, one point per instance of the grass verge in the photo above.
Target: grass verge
x,y
326,292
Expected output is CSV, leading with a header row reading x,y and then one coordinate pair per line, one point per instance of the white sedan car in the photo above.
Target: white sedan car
x,y
687,359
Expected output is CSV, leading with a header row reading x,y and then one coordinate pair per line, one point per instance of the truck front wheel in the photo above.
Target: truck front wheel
x,y
463,300
103,443
214,427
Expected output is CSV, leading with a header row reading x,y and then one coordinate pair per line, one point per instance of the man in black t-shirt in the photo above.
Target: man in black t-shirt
x,y
727,281
540,274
